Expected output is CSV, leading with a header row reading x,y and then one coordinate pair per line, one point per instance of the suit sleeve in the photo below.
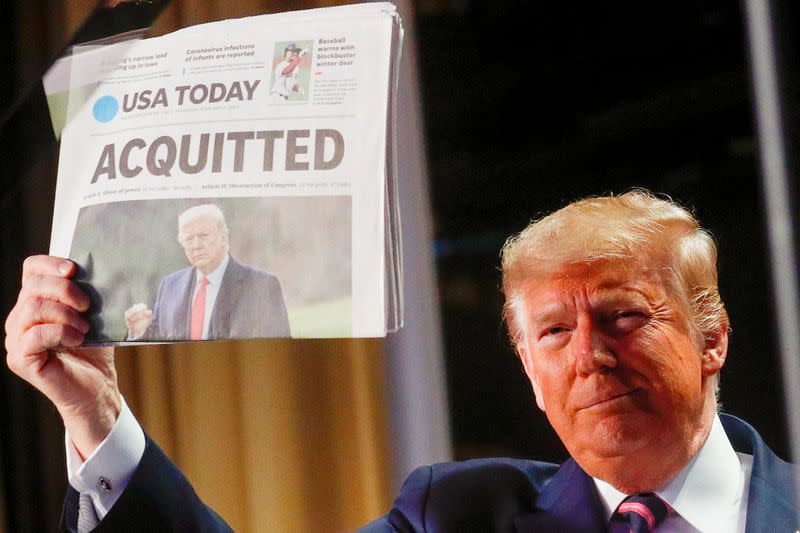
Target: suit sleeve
x,y
157,498
408,513
153,330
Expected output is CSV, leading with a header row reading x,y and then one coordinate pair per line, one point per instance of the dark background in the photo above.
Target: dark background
x,y
528,105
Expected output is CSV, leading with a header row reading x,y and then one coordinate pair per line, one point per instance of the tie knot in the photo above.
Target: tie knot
x,y
639,513
203,281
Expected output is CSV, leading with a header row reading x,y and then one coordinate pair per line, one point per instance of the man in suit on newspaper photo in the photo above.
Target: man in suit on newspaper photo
x,y
216,296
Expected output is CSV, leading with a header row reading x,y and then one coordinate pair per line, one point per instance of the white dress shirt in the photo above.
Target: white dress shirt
x,y
107,471
212,290
709,495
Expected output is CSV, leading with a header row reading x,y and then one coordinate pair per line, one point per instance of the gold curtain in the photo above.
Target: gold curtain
x,y
279,435
275,435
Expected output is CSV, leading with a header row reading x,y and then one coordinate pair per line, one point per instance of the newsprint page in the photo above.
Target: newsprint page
x,y
229,180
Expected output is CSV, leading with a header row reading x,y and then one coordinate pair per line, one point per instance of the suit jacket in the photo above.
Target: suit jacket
x,y
481,496
510,495
249,304
157,498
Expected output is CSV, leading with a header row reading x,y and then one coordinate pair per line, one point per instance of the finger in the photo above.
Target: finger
x,y
40,311
139,315
47,265
141,323
133,313
54,288
144,318
45,337
30,312
11,319
101,357
135,308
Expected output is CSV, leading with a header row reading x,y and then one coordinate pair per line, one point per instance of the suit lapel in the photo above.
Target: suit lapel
x,y
568,504
767,509
771,497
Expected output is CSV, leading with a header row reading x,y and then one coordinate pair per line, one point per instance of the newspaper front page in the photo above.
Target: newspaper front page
x,y
228,180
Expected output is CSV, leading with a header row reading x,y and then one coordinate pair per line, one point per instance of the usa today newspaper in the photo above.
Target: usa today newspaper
x,y
233,179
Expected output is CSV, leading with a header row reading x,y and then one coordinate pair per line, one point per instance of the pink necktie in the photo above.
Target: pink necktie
x,y
198,311
640,513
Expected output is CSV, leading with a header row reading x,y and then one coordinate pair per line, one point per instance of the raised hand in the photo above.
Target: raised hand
x,y
137,318
43,333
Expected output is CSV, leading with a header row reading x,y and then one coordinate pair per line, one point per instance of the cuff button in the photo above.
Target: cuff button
x,y
105,484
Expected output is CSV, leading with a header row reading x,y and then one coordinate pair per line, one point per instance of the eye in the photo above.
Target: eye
x,y
552,331
629,319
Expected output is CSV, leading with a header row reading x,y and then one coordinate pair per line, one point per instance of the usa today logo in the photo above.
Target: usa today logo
x,y
105,109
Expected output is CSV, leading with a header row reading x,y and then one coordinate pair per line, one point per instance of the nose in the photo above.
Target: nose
x,y
590,349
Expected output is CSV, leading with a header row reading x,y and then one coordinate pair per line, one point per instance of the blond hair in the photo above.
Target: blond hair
x,y
619,228
197,211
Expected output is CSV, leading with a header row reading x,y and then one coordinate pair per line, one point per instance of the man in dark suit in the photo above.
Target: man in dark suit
x,y
215,297
487,495
613,307
612,304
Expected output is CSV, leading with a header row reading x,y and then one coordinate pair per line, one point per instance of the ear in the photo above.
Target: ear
x,y
530,370
715,351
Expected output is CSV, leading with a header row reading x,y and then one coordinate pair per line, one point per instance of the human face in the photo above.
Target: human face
x,y
205,245
617,367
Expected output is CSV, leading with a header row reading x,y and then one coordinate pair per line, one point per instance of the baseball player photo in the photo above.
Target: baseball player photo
x,y
290,71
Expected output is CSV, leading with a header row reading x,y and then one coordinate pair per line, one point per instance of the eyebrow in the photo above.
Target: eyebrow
x,y
620,295
547,313
551,312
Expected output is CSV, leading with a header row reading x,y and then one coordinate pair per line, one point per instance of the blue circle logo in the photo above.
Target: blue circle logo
x,y
105,108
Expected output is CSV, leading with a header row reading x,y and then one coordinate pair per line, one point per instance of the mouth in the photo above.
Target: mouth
x,y
608,400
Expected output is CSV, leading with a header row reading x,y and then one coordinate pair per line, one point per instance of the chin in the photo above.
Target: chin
x,y
202,267
621,434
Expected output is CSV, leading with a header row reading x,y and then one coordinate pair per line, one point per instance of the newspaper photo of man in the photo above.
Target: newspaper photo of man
x,y
214,297
289,81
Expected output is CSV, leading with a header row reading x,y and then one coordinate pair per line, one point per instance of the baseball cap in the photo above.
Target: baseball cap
x,y
292,48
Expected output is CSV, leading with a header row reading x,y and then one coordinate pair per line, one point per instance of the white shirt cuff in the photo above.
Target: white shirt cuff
x,y
107,471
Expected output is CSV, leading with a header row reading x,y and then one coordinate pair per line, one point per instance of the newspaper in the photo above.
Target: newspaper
x,y
233,179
